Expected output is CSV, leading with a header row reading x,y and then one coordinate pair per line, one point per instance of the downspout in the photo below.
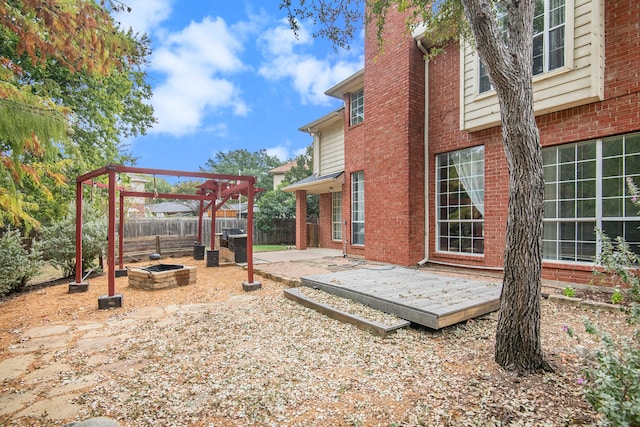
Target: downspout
x,y
426,152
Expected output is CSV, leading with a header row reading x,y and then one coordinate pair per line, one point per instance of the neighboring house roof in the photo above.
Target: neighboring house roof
x,y
282,169
173,208
314,184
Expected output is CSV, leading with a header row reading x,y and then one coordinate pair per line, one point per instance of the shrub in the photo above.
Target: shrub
x,y
613,387
568,291
274,204
58,241
619,265
617,297
17,265
614,382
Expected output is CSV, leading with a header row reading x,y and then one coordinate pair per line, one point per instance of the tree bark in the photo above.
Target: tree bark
x,y
509,65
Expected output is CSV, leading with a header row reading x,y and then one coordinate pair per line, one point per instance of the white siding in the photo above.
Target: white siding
x,y
331,148
579,82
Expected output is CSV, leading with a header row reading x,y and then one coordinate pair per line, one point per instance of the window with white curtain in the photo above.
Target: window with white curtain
x,y
460,201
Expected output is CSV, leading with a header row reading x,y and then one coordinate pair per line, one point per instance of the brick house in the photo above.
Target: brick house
x,y
417,146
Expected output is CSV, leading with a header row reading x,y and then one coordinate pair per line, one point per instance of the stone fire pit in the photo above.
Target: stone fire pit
x,y
161,276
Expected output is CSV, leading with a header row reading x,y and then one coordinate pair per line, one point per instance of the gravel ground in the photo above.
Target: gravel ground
x,y
210,354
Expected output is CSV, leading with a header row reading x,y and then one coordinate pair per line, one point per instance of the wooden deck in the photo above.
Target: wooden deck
x,y
428,299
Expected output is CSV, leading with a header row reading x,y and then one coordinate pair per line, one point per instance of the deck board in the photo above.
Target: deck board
x,y
422,297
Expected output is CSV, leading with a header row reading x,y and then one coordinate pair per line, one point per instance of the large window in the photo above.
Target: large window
x,y
336,215
357,107
460,201
357,208
585,188
548,39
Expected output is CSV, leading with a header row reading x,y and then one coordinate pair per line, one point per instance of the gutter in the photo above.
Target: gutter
x,y
426,152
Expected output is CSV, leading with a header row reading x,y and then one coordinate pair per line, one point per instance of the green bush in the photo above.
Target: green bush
x,y
613,387
58,241
17,265
272,205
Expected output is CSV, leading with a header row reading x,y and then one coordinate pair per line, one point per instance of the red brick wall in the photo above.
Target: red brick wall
x,y
389,147
619,113
301,219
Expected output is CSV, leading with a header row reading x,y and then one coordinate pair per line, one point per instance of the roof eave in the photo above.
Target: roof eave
x,y
351,83
319,186
327,119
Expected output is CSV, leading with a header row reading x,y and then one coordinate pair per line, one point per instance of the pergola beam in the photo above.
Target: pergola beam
x,y
247,183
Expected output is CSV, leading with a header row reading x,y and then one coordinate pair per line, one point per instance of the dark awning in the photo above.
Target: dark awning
x,y
315,184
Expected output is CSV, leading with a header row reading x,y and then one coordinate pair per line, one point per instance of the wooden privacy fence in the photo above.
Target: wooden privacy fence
x,y
139,248
284,233
313,235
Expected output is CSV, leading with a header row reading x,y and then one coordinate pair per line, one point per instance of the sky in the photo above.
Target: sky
x,y
230,75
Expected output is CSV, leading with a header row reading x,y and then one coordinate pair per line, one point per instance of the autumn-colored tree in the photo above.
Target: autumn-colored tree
x,y
51,51
505,48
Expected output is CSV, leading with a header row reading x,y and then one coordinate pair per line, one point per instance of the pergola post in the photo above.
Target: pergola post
x,y
111,300
121,271
200,221
250,285
79,285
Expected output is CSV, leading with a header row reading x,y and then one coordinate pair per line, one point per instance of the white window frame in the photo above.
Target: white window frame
x,y
336,215
357,208
606,204
356,107
485,86
460,219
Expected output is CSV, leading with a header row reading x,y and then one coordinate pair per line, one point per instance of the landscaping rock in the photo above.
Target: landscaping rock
x,y
95,422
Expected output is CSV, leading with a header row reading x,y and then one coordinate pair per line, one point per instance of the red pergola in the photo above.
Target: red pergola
x,y
212,194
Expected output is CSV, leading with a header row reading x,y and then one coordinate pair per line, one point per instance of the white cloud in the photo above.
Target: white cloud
x,y
281,152
299,152
311,76
145,15
193,62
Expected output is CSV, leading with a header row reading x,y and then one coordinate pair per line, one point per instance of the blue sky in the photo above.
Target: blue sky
x,y
228,75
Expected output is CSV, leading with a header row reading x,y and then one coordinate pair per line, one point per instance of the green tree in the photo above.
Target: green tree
x,y
243,162
158,185
273,205
505,50
302,169
278,204
70,89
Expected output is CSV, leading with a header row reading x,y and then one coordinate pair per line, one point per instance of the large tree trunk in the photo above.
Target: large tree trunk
x,y
518,345
509,65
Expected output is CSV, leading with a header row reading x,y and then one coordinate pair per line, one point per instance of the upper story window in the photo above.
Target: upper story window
x,y
357,107
548,35
548,39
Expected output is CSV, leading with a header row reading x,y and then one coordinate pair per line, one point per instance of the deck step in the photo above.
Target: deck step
x,y
297,295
